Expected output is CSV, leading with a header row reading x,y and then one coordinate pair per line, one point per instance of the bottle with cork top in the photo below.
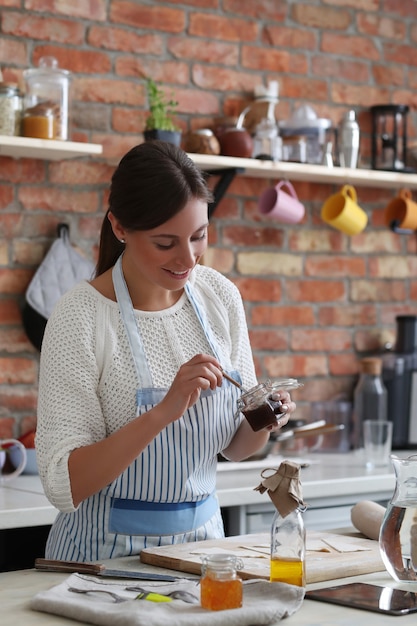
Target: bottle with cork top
x,y
370,398
288,537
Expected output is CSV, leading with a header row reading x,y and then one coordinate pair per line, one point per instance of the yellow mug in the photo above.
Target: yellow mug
x,y
401,212
342,211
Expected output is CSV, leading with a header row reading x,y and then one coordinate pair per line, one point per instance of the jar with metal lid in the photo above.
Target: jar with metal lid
x,y
221,587
261,406
10,109
47,101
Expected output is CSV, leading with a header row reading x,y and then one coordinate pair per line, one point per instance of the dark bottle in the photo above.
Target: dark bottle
x,y
400,378
370,398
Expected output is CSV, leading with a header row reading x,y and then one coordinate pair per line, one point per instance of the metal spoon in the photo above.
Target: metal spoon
x,y
116,598
177,594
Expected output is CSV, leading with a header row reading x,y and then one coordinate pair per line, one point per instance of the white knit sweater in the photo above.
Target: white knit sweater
x,y
87,380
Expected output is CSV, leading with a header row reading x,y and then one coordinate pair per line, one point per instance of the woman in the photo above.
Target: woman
x,y
133,405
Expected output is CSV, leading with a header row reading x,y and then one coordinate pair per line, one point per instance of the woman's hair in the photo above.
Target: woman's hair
x,y
151,184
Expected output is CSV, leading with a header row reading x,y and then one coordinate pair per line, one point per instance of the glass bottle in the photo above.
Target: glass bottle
x,y
288,542
370,398
221,587
398,534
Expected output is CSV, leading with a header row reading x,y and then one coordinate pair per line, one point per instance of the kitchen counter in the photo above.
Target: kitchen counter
x,y
17,588
331,481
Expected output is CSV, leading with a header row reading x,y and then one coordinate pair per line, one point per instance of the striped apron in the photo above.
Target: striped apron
x,y
167,495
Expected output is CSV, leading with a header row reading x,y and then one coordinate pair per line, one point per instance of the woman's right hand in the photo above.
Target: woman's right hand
x,y
199,373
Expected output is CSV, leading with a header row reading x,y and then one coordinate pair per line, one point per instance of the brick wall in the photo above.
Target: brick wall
x,y
316,300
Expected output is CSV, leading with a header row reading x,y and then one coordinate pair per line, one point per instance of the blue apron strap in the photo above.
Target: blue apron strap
x,y
131,326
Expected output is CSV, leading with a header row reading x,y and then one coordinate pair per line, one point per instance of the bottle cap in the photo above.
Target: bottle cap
x,y
371,365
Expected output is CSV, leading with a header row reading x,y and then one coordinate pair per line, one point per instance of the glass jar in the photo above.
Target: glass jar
x,y
260,407
398,534
10,109
221,587
46,110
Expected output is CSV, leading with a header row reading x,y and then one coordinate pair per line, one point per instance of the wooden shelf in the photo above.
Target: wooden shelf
x,y
306,172
47,149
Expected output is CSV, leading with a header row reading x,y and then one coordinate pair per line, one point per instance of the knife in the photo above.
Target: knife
x,y
98,569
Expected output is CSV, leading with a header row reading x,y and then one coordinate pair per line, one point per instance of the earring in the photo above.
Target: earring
x,y
122,240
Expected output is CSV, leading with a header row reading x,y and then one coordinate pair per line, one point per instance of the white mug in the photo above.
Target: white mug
x,y
5,478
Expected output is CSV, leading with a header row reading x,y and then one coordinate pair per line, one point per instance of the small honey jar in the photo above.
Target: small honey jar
x,y
221,587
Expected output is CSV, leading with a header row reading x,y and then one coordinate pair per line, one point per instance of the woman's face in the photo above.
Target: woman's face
x,y
165,256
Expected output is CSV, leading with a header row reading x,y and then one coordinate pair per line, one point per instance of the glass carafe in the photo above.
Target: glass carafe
x,y
398,534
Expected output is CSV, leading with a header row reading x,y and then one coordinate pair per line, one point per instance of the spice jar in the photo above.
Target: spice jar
x,y
46,114
10,109
221,587
259,405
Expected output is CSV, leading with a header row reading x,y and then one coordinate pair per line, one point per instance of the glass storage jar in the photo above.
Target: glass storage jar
x,y
10,109
221,587
47,101
259,405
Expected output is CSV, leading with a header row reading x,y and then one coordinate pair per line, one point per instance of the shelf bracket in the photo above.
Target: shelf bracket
x,y
222,185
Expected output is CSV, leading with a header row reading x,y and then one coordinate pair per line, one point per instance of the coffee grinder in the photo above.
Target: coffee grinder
x,y
389,137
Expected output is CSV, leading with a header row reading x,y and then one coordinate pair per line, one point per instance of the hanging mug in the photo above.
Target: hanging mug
x,y
281,205
401,212
4,444
342,212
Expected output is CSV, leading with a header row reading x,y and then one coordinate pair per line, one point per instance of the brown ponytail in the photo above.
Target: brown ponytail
x,y
151,184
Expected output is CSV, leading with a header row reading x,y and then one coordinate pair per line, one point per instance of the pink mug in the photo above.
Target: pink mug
x,y
282,206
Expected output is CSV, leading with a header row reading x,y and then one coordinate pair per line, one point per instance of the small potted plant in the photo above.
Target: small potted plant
x,y
159,124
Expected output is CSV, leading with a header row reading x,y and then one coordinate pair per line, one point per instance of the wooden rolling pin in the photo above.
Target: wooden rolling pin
x,y
367,517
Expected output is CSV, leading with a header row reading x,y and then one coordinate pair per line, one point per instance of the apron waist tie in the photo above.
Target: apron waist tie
x,y
138,517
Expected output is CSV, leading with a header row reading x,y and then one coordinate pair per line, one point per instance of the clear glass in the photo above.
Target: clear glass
x,y
10,109
288,548
47,101
398,534
370,402
221,587
259,406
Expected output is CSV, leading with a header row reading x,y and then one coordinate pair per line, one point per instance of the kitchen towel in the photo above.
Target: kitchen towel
x,y
263,603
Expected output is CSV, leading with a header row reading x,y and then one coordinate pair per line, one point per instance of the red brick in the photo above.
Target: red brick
x,y
377,291
315,290
270,339
319,340
51,199
140,16
14,280
297,366
22,170
379,25
275,10
17,399
266,59
282,316
321,17
259,289
113,38
335,266
249,236
349,45
349,316
77,61
17,370
108,90
346,69
304,88
7,425
34,27
9,312
405,8
343,364
90,9
397,53
12,49
164,73
6,196
219,27
220,78
211,52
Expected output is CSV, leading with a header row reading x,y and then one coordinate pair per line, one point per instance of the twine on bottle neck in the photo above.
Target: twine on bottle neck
x,y
284,487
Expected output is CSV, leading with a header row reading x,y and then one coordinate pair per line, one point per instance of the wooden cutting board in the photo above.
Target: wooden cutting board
x,y
329,555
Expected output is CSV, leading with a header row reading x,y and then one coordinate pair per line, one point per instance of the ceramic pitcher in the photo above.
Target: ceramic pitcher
x,y
4,444
398,535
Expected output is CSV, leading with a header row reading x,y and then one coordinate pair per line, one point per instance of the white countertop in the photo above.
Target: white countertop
x,y
17,588
331,477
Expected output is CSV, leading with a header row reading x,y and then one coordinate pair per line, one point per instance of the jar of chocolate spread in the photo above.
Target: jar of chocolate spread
x,y
260,405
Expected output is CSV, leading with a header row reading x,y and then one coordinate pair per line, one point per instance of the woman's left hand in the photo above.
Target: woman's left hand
x,y
287,407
